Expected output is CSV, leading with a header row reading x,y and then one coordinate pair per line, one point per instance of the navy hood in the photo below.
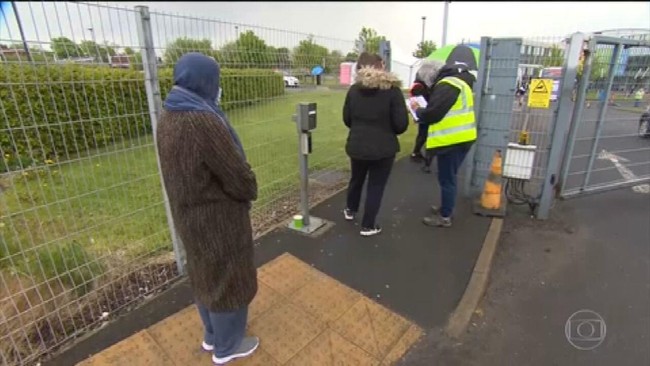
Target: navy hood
x,y
196,88
199,74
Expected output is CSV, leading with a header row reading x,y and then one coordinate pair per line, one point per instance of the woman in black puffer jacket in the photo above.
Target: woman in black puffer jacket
x,y
375,112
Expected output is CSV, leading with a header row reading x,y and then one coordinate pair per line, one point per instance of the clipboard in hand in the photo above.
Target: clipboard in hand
x,y
422,103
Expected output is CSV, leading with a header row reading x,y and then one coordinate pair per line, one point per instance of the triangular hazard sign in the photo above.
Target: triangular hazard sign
x,y
540,87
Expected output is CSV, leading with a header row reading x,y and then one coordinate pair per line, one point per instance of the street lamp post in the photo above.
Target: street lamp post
x,y
444,24
424,20
97,57
92,33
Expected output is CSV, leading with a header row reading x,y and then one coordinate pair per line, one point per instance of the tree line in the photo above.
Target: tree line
x,y
248,50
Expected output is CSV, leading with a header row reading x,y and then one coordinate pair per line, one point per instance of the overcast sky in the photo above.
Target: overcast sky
x,y
400,22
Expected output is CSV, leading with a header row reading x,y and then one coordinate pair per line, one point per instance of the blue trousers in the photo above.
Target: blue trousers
x,y
449,161
225,331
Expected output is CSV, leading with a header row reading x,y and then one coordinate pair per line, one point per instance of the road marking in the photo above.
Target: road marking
x,y
627,174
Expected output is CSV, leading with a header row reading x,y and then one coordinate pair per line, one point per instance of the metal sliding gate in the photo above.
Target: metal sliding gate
x,y
591,135
608,145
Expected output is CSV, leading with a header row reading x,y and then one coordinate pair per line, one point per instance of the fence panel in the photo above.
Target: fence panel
x,y
608,145
494,106
266,73
83,233
82,223
541,58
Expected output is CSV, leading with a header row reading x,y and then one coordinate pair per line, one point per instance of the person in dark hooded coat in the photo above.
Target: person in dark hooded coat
x,y
375,113
210,187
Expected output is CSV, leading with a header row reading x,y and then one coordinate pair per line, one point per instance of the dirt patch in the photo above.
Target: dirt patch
x,y
47,323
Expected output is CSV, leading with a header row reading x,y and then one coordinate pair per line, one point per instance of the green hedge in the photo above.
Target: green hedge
x,y
60,112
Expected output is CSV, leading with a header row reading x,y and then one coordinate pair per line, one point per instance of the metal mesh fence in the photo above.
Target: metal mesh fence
x,y
266,73
540,58
82,224
609,145
83,233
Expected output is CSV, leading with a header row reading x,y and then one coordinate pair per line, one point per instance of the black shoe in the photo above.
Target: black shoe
x,y
370,231
437,221
426,169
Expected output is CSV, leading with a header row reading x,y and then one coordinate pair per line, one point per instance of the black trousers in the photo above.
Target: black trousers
x,y
377,172
421,138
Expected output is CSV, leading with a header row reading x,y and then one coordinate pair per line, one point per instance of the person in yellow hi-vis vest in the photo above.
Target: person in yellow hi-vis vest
x,y
451,132
638,97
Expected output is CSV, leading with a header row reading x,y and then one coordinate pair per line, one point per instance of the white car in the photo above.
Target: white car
x,y
291,82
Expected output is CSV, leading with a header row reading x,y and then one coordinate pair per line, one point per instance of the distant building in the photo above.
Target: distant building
x,y
120,61
13,52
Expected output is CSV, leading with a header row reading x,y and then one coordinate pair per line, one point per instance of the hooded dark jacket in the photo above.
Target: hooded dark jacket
x,y
375,112
442,97
210,186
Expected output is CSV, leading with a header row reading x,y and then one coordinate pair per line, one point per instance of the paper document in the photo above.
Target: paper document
x,y
421,102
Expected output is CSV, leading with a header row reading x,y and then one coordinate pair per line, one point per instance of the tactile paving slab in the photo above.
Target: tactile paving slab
x,y
372,327
302,316
286,274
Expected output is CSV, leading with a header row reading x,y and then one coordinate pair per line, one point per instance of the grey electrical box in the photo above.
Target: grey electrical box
x,y
307,116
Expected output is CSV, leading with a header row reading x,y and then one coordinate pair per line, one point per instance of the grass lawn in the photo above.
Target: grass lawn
x,y
110,203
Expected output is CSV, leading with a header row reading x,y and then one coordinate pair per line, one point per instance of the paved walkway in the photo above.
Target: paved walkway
x,y
592,254
337,299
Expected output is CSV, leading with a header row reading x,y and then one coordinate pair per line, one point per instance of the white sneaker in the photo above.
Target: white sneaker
x,y
207,347
349,215
247,347
370,231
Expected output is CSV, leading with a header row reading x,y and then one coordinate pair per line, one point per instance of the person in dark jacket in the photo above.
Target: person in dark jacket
x,y
422,86
210,187
419,89
375,113
453,135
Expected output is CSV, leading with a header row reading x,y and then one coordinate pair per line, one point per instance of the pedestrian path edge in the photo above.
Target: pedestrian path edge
x,y
460,318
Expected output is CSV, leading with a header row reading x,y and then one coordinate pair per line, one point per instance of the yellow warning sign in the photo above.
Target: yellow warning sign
x,y
539,95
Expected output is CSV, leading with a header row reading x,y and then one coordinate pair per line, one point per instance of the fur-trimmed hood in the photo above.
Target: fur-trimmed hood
x,y
371,78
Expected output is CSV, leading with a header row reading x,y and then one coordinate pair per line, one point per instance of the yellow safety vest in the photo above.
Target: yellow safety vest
x,y
459,124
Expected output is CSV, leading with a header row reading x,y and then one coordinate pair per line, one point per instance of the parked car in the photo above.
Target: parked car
x,y
291,81
644,124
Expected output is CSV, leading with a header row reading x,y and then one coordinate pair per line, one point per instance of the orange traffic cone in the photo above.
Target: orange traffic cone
x,y
491,202
491,197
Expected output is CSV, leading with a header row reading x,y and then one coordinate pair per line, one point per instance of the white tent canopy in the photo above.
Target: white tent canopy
x,y
404,65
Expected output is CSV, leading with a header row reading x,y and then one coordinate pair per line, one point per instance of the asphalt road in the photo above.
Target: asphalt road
x,y
592,254
618,136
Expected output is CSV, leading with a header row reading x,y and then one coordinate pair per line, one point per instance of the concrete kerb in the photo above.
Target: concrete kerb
x,y
460,318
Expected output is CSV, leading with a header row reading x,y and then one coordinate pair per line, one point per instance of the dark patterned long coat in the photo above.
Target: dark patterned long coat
x,y
210,186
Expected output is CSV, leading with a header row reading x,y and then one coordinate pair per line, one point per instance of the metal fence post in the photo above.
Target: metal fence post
x,y
562,124
496,106
603,111
150,66
576,119
479,89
